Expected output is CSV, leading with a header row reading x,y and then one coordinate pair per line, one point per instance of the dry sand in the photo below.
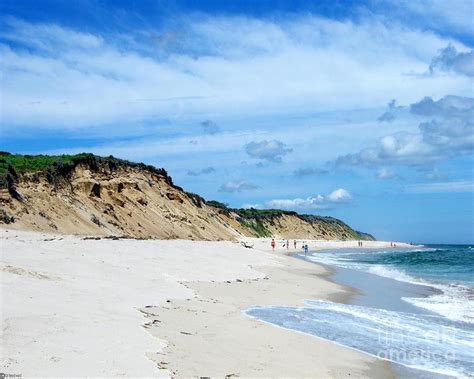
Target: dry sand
x,y
73,307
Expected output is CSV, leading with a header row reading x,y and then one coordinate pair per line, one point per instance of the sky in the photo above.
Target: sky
x,y
360,110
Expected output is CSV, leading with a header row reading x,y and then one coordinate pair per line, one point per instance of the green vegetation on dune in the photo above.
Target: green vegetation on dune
x,y
262,213
256,226
255,219
14,165
22,164
216,204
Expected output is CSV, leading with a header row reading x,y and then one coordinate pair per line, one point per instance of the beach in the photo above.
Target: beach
x,y
104,307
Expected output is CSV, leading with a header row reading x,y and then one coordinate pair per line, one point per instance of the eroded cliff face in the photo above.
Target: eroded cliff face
x,y
122,201
103,198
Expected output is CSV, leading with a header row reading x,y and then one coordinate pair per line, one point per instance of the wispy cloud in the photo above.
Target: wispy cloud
x,y
433,173
441,16
207,170
442,187
385,173
237,186
62,78
309,171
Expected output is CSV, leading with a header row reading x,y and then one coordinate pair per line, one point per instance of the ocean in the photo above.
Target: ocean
x,y
432,331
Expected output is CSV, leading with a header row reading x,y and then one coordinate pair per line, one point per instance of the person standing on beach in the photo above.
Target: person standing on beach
x,y
273,244
287,244
294,244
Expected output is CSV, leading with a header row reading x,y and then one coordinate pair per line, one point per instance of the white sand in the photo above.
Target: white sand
x,y
71,307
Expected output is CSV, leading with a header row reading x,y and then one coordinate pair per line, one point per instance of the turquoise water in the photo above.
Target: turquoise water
x,y
440,341
437,263
449,268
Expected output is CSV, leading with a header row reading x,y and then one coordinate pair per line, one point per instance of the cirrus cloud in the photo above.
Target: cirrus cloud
x,y
442,187
62,78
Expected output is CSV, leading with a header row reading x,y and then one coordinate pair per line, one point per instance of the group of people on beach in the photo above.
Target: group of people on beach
x,y
359,243
287,245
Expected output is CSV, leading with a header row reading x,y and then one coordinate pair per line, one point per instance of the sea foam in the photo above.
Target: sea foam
x,y
420,341
456,301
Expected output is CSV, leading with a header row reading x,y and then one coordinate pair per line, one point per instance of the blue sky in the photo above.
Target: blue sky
x,y
361,110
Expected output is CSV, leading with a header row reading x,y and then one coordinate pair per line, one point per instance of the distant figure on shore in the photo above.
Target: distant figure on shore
x,y
360,243
294,244
273,244
306,249
287,244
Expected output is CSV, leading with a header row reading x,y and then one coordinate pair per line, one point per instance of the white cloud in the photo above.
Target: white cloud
x,y
446,107
339,196
449,132
449,59
442,187
271,151
335,198
384,173
434,174
453,14
237,186
55,77
401,148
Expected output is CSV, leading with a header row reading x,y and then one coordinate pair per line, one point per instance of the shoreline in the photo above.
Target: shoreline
x,y
359,295
210,334
61,294
183,351
369,291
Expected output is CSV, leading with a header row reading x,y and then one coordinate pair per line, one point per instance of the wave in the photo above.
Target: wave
x,y
394,274
456,301
425,342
